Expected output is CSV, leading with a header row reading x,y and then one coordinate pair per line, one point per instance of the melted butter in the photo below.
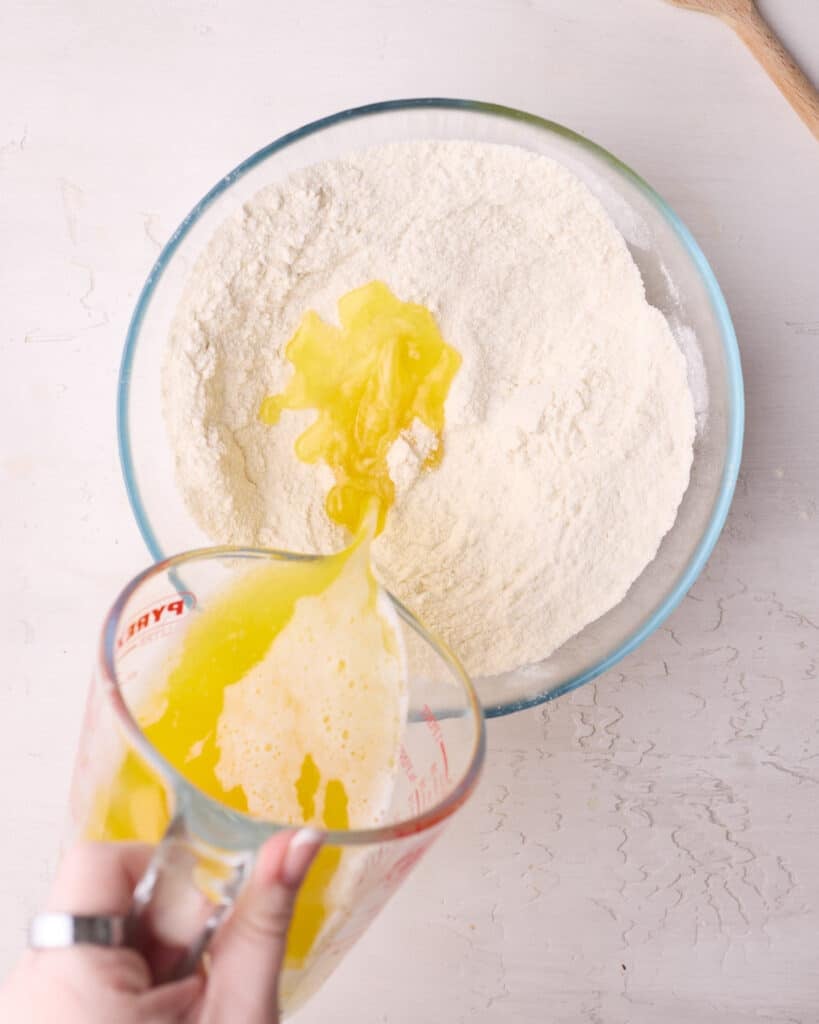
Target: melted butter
x,y
221,647
287,696
311,904
369,379
225,644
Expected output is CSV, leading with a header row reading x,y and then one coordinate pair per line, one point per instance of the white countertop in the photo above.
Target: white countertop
x,y
643,850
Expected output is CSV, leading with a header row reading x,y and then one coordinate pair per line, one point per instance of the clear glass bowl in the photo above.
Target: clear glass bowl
x,y
677,279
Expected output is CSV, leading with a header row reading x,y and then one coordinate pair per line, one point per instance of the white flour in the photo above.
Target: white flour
x,y
569,427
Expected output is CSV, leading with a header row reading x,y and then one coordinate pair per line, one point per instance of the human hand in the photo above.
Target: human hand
x,y
87,984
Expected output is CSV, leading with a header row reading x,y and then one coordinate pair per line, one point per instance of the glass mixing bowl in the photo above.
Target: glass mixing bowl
x,y
677,279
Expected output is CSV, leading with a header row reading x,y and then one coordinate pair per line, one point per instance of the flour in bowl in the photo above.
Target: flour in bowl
x,y
569,426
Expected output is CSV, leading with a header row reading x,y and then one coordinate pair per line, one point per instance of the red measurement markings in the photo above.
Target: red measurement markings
x,y
411,776
406,764
402,867
437,735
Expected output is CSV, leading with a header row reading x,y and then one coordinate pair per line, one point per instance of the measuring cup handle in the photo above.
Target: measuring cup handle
x,y
185,893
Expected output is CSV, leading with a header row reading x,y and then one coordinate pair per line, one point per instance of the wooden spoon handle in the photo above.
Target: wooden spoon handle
x,y
789,78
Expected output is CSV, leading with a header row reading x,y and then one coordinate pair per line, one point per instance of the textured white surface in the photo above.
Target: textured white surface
x,y
644,850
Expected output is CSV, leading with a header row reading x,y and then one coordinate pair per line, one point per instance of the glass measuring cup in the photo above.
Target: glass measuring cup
x,y
124,789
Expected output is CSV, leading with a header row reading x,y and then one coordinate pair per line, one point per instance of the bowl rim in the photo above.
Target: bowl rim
x,y
736,418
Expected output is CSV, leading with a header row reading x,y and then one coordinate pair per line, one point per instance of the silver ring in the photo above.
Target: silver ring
x,y
58,931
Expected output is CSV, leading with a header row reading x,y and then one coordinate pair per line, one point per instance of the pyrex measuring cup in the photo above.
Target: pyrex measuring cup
x,y
125,790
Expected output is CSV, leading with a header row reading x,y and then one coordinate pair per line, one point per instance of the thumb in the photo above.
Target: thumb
x,y
171,1003
248,953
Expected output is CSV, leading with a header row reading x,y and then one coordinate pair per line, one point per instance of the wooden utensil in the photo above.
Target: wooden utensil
x,y
745,19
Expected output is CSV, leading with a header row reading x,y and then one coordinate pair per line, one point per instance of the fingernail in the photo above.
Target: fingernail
x,y
303,847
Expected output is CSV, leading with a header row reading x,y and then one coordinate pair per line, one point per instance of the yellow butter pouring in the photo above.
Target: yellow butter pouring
x,y
370,379
288,695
